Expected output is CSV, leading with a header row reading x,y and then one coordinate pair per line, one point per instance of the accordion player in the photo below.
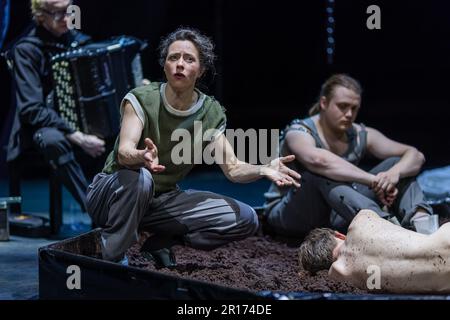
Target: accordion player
x,y
91,81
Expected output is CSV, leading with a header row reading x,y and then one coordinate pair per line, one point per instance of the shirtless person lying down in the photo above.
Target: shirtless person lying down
x,y
408,262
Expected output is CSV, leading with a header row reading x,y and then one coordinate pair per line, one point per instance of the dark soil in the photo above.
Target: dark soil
x,y
256,264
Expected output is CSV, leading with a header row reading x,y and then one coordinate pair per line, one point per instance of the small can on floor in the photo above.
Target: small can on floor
x,y
4,224
5,209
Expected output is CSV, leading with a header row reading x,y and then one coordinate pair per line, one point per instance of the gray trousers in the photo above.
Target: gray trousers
x,y
122,203
321,202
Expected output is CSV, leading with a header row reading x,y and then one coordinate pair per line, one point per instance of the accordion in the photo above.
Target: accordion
x,y
90,82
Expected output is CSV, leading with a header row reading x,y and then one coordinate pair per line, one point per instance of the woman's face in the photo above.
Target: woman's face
x,y
341,111
182,66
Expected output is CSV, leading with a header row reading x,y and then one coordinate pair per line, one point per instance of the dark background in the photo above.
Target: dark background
x,y
272,58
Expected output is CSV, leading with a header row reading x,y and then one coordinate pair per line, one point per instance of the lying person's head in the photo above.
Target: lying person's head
x,y
320,249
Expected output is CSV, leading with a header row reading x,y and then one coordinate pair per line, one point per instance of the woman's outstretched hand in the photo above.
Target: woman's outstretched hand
x,y
150,157
280,174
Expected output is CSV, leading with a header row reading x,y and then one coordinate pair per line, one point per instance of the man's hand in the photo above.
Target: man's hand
x,y
384,186
280,174
386,181
93,145
90,144
150,157
391,196
388,198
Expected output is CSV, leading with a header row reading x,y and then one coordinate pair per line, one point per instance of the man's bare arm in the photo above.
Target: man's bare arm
x,y
324,162
382,147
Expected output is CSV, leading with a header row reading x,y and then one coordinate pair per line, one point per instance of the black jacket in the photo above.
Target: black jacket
x,y
32,82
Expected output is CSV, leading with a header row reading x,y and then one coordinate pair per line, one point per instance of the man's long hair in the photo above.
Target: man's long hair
x,y
327,89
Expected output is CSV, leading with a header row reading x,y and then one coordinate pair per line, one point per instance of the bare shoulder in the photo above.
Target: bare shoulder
x,y
338,270
363,221
443,234
372,131
298,132
359,127
365,215
446,227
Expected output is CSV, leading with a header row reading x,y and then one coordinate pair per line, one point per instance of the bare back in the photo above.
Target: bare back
x,y
409,262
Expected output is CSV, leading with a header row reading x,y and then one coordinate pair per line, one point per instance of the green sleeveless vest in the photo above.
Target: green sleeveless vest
x,y
159,125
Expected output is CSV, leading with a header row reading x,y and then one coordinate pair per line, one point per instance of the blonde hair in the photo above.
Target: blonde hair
x,y
36,6
327,89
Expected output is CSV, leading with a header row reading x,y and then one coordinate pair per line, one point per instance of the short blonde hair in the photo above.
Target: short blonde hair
x,y
36,6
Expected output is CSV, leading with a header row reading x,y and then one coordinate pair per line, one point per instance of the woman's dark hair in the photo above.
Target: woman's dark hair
x,y
327,89
203,44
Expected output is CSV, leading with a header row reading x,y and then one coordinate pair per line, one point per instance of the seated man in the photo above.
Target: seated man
x,y
37,124
328,147
408,262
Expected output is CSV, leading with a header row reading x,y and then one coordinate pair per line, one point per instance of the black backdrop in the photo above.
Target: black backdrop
x,y
272,58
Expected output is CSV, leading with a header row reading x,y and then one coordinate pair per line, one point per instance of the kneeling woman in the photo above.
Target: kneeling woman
x,y
138,186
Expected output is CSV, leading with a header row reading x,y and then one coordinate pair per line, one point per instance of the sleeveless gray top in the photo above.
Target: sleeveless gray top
x,y
354,154
356,149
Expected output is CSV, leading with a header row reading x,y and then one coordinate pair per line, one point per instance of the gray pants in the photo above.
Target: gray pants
x,y
321,202
124,202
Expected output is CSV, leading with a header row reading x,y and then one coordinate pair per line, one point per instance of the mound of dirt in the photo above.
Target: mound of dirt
x,y
255,264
